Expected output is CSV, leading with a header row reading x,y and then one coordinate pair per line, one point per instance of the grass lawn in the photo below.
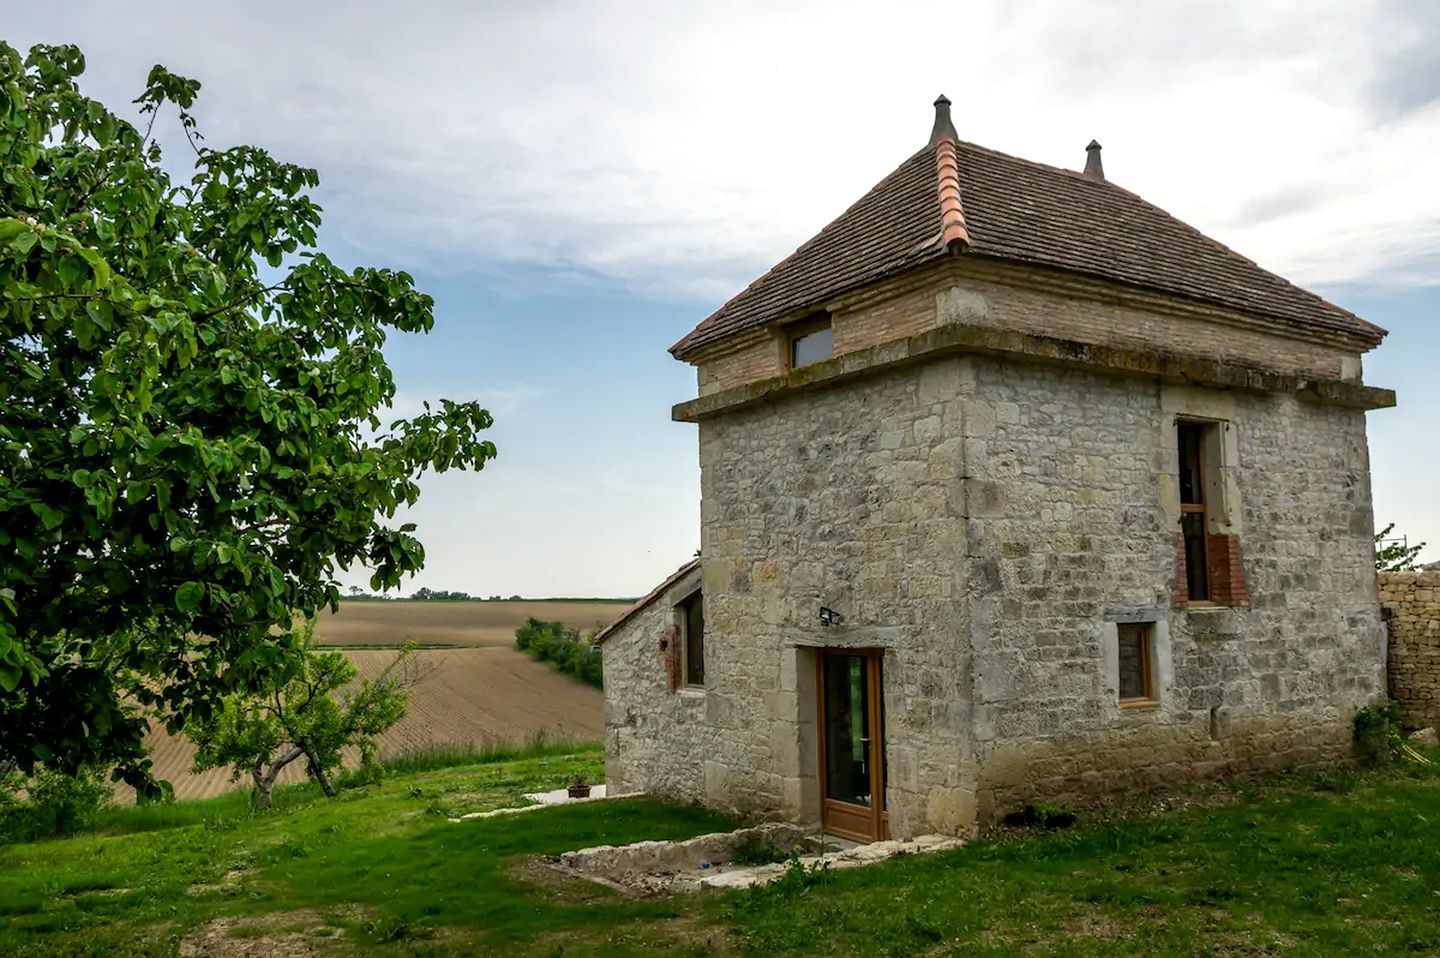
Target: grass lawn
x,y
1343,864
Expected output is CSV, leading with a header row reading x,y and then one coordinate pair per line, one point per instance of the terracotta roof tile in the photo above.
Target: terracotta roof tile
x,y
1021,211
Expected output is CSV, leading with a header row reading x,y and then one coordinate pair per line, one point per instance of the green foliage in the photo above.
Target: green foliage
x,y
50,803
1394,554
797,879
1380,735
191,441
313,714
563,647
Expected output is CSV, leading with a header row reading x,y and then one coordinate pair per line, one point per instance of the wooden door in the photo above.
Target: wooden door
x,y
852,743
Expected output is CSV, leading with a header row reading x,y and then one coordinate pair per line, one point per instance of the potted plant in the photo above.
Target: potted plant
x,y
579,788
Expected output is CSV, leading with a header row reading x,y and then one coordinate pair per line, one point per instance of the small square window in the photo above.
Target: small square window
x,y
811,342
1137,664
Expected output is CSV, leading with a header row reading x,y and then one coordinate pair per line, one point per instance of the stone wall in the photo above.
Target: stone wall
x,y
1068,532
655,735
843,498
1411,601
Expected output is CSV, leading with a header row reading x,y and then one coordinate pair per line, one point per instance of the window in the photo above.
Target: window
x,y
1194,521
810,341
1137,664
692,666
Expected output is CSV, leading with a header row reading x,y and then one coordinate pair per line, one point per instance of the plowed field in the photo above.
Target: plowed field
x,y
482,695
454,623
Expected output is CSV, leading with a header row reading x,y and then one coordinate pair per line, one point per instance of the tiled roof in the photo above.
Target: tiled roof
x,y
1021,211
655,593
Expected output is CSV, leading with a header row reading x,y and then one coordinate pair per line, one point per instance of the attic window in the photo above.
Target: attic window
x,y
810,341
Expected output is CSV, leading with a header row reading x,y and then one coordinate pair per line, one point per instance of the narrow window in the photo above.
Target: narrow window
x,y
1137,664
693,667
811,341
1194,523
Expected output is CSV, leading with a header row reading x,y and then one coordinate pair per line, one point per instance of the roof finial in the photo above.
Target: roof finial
x,y
943,127
1094,169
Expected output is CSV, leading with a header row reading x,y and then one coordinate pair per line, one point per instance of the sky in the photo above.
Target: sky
x,y
579,184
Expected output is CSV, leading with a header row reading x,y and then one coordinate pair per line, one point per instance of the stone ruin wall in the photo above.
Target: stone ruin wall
x,y
1411,604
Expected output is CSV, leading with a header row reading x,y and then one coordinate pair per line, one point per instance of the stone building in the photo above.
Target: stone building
x,y
1014,487
1410,602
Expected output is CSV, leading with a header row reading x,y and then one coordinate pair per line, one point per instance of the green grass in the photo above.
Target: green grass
x,y
452,754
1338,864
1346,863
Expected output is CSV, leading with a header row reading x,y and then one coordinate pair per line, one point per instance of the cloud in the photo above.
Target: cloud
x,y
682,148
1408,77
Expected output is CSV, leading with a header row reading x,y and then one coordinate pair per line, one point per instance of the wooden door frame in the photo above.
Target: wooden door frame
x,y
855,821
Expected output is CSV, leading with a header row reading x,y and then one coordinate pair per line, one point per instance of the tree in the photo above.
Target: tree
x,y
1394,553
191,442
312,714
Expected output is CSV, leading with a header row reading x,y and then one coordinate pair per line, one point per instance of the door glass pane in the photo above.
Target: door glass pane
x,y
847,739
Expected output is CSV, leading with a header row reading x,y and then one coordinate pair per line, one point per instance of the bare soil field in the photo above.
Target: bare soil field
x,y
454,623
481,695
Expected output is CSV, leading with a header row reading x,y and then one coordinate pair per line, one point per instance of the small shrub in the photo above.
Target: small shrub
x,y
1379,734
798,878
563,647
50,803
391,929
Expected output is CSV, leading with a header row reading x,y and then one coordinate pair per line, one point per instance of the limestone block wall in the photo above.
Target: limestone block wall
x,y
844,498
1411,601
1068,533
655,735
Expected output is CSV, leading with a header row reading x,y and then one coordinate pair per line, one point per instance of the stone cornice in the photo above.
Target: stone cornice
x,y
1021,347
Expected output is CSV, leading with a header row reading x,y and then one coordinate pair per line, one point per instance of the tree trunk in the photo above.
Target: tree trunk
x,y
317,772
265,783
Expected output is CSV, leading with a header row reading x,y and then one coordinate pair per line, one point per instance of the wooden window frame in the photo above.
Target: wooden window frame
x,y
682,609
801,328
1201,508
1151,697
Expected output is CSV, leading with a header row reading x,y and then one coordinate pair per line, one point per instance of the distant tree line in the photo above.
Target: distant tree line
x,y
423,594
563,647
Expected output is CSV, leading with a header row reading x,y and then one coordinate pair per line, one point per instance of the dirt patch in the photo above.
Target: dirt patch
x,y
488,695
488,624
227,881
279,935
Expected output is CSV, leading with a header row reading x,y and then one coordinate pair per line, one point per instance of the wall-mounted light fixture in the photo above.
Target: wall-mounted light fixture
x,y
829,617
